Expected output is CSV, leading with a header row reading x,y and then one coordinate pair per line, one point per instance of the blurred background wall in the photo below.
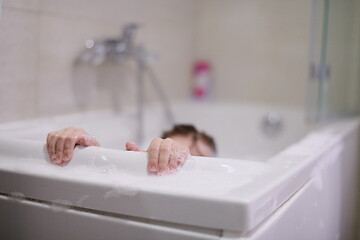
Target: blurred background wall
x,y
39,41
259,49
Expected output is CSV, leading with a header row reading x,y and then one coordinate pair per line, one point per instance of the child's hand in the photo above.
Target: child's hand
x,y
60,144
164,155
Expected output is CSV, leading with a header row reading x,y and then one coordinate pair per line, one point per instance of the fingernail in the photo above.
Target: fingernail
x,y
53,157
66,157
152,168
57,162
160,173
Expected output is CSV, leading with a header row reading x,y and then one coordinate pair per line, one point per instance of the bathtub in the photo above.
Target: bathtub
x,y
299,182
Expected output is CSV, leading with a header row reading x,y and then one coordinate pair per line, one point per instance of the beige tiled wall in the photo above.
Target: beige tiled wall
x,y
19,54
259,48
39,40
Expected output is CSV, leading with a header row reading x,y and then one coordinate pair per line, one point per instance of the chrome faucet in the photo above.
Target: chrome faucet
x,y
115,49
119,50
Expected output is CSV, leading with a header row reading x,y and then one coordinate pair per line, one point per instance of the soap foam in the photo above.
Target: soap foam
x,y
60,205
121,191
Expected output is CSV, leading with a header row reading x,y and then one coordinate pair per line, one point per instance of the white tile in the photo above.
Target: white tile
x,y
258,49
18,46
17,101
22,4
18,64
61,40
116,11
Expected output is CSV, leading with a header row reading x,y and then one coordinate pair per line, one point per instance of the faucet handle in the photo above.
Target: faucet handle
x,y
128,31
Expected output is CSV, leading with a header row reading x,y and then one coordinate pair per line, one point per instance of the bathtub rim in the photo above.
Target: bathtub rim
x,y
250,201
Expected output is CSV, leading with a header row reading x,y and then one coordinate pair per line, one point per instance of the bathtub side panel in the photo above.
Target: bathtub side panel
x,y
326,208
22,219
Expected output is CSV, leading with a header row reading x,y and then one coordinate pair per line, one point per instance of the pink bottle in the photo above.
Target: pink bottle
x,y
202,80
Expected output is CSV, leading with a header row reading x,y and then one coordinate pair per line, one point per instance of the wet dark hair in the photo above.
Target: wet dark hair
x,y
186,129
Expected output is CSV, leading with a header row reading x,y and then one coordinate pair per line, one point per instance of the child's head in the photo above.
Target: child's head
x,y
199,143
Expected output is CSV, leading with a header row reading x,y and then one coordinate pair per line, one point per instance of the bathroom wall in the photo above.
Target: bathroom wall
x,y
259,48
39,40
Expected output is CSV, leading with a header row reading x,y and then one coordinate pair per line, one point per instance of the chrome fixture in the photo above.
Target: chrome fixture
x,y
116,49
119,50
272,124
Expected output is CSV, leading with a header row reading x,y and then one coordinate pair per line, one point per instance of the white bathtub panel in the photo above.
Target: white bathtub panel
x,y
326,207
204,192
215,193
33,221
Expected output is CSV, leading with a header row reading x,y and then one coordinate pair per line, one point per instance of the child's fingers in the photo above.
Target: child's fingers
x,y
131,146
153,155
59,147
164,155
60,144
86,139
69,146
51,142
178,156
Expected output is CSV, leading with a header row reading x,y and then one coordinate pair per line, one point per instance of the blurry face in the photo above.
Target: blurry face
x,y
197,148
